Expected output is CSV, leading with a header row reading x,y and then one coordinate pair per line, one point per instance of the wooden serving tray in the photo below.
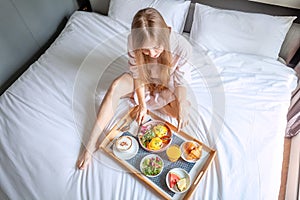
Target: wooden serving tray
x,y
106,146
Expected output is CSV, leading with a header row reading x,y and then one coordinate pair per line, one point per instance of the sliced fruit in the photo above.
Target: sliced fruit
x,y
181,184
173,179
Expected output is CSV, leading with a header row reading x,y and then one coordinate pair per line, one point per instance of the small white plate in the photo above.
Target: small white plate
x,y
182,174
128,154
183,155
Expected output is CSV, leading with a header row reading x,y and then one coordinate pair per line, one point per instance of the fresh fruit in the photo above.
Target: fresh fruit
x,y
181,184
173,179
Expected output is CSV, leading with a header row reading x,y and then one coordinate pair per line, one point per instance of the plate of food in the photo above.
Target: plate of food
x,y
191,151
155,136
151,165
178,180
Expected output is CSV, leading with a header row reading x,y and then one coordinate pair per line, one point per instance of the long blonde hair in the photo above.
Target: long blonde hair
x,y
149,25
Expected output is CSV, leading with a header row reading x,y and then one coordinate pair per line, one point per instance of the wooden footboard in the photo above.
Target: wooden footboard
x,y
292,183
285,168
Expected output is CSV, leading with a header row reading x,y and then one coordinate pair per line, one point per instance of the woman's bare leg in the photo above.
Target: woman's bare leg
x,y
172,110
121,86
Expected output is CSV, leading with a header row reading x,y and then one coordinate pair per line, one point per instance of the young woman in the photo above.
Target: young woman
x,y
158,63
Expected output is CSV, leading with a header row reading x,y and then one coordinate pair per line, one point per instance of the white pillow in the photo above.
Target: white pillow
x,y
241,32
173,11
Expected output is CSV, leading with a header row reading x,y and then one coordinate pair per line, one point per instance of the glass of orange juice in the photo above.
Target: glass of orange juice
x,y
173,152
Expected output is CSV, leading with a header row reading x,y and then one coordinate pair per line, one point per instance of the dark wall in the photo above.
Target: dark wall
x,y
27,28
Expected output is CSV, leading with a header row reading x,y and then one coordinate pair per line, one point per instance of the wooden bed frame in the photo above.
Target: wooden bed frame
x,y
26,51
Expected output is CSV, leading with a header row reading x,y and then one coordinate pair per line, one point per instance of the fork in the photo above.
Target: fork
x,y
125,128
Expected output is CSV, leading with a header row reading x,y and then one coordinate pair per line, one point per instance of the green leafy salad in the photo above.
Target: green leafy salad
x,y
152,166
147,137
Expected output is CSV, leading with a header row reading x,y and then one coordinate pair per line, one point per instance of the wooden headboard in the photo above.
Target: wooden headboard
x,y
27,29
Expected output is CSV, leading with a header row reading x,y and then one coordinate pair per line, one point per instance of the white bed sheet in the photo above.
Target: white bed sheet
x,y
51,109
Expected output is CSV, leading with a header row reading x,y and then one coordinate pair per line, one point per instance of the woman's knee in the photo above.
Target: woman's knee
x,y
123,84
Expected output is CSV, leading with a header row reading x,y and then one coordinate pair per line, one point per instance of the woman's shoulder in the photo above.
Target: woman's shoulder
x,y
129,42
179,45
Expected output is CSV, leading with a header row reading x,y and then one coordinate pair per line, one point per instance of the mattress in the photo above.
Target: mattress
x,y
239,108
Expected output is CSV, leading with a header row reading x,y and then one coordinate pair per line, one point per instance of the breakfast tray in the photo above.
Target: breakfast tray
x,y
195,170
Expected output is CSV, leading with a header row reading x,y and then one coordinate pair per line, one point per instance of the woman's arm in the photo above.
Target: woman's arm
x,y
142,107
182,77
183,106
180,92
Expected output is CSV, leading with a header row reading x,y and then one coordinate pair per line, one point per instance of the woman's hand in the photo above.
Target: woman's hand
x,y
183,114
141,108
141,113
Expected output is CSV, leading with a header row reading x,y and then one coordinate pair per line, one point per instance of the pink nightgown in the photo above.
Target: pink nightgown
x,y
180,73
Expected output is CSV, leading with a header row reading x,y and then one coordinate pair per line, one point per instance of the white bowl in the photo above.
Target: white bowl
x,y
182,174
184,155
149,157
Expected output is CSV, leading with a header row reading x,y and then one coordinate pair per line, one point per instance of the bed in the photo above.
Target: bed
x,y
240,106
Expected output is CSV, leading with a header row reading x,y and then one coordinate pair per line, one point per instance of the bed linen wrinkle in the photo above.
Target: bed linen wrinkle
x,y
270,142
37,152
42,159
33,108
3,195
239,144
112,27
263,99
27,183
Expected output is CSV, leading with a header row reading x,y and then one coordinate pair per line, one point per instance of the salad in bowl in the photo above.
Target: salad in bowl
x,y
155,136
151,165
